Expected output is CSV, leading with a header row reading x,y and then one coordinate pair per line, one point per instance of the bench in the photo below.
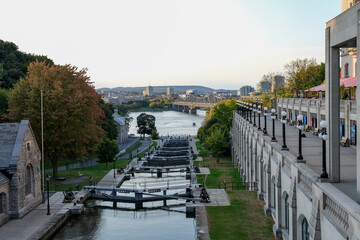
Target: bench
x,y
344,142
316,131
307,128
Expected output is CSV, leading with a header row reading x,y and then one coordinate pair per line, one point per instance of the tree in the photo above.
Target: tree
x,y
71,110
304,74
154,134
4,98
108,125
223,111
107,151
217,143
14,63
145,123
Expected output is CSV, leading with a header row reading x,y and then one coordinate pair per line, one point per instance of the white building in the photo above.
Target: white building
x,y
122,126
149,91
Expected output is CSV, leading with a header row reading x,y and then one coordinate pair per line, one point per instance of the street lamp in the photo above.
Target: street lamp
x,y
48,195
114,167
273,116
250,111
300,126
259,111
324,136
283,120
265,113
254,110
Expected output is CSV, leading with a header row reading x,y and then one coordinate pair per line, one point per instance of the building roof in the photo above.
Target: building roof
x,y
119,119
3,179
11,140
348,82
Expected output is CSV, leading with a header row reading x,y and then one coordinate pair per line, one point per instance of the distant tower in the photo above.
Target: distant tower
x,y
149,91
169,91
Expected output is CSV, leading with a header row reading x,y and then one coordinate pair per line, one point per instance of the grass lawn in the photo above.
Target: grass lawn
x,y
97,172
245,218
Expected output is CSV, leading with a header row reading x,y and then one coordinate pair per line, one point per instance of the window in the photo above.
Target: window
x,y
28,178
2,202
274,195
287,213
346,70
28,146
305,230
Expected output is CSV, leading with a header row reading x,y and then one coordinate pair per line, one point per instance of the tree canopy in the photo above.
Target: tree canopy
x,y
304,74
146,124
71,110
14,63
107,150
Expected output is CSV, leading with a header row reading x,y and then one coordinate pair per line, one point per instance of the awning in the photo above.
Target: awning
x,y
348,82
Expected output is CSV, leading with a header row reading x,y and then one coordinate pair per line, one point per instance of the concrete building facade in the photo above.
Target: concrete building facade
x,y
149,91
169,91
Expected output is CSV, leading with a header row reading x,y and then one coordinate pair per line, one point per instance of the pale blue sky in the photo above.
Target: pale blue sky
x,y
215,43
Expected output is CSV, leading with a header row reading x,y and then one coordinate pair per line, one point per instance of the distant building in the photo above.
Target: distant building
x,y
149,91
20,177
276,81
246,90
122,126
191,91
264,86
169,91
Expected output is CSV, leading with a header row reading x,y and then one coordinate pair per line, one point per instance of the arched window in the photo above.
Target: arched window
x,y
28,180
346,70
274,194
287,213
305,230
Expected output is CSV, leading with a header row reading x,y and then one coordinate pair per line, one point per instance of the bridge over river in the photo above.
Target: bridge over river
x,y
193,102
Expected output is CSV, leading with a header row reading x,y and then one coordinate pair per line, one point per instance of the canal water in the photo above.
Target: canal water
x,y
172,122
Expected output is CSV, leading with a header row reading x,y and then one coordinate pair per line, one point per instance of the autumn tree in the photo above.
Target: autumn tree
x,y
108,124
303,74
146,124
4,98
223,111
71,110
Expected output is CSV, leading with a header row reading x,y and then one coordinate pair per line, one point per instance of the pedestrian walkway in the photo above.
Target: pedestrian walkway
x,y
312,153
29,226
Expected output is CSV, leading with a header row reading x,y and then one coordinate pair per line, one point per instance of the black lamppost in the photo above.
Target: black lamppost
x,y
250,111
273,116
48,195
265,113
259,112
300,126
114,167
324,136
283,120
254,110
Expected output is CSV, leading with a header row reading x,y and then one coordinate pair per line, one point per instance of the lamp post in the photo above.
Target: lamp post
x,y
250,111
300,126
324,136
283,120
48,195
254,110
259,111
273,116
114,167
265,113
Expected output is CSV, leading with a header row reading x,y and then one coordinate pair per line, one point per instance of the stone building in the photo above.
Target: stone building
x,y
20,177
122,126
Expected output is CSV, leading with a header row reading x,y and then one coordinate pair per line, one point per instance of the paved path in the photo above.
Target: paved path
x,y
312,153
92,162
34,221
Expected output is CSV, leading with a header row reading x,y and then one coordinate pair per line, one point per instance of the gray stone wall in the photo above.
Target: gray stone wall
x,y
5,216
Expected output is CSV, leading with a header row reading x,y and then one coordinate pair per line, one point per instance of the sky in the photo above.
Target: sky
x,y
127,43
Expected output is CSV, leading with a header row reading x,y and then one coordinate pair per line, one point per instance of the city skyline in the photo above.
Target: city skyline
x,y
218,44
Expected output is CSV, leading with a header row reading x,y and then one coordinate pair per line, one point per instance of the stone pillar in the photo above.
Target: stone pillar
x,y
332,100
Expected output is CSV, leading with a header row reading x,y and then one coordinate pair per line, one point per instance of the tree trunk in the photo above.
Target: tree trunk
x,y
55,168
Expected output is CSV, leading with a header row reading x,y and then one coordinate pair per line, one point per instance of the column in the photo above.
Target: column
x,y
332,105
358,107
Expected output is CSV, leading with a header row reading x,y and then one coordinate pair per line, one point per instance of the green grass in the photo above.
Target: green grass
x,y
245,218
202,152
97,172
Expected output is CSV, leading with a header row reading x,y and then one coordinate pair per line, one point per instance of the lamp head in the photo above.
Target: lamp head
x,y
273,110
323,124
259,107
300,117
265,108
283,113
325,137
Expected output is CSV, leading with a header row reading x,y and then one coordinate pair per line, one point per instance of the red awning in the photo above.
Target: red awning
x,y
348,82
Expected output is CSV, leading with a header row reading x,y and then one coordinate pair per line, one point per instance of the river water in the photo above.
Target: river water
x,y
172,122
101,221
